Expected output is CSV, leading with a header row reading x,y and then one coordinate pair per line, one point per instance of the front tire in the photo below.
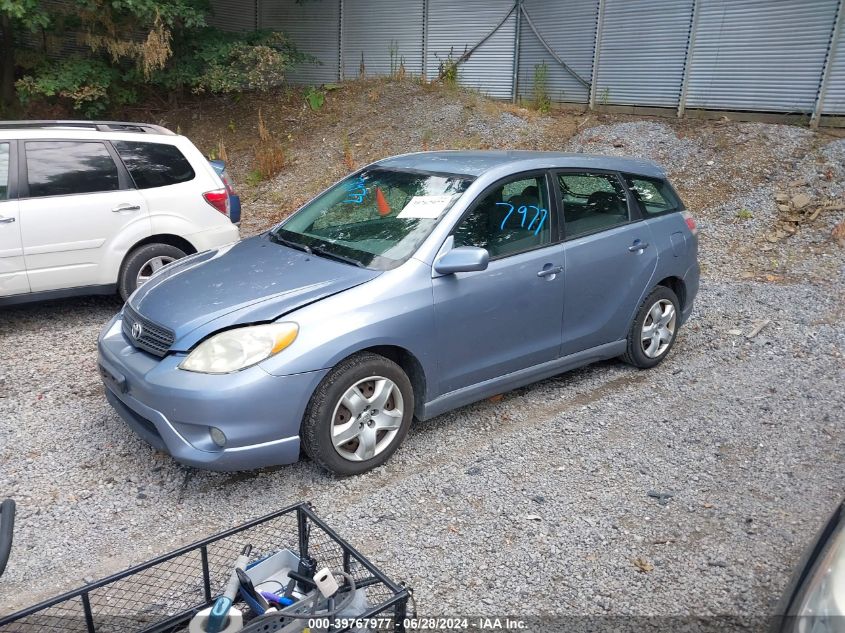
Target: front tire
x,y
141,263
358,415
654,329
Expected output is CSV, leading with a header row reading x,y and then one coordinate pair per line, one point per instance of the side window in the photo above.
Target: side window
x,y
512,218
4,171
154,164
655,196
56,168
591,202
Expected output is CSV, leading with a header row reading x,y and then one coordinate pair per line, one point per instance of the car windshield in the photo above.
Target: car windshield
x,y
376,218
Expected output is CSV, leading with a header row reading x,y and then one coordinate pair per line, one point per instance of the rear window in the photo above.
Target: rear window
x,y
154,164
59,168
654,195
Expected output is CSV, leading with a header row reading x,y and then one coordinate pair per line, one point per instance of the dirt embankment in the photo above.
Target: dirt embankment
x,y
743,181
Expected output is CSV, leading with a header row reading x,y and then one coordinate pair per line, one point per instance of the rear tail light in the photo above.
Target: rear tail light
x,y
691,225
219,199
228,183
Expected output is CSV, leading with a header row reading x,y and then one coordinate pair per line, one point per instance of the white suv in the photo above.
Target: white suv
x,y
91,207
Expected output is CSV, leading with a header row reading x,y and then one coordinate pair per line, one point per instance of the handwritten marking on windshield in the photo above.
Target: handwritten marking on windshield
x,y
357,191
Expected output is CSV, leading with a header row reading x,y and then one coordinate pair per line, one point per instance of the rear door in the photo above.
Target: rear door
x,y
609,258
13,279
79,213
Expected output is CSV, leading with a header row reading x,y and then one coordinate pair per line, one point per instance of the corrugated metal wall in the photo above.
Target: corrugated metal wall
x,y
642,52
759,54
457,26
234,15
314,27
374,28
834,95
569,28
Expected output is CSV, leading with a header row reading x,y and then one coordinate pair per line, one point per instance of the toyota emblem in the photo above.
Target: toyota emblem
x,y
137,330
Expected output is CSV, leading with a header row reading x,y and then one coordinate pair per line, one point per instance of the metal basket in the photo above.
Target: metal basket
x,y
163,594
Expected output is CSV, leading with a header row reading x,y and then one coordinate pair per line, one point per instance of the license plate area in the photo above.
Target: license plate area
x,y
113,379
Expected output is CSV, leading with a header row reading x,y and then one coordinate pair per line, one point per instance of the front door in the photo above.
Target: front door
x,y
75,205
507,317
609,260
12,269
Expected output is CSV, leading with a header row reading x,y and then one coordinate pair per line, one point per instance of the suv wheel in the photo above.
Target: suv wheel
x,y
358,415
654,329
141,263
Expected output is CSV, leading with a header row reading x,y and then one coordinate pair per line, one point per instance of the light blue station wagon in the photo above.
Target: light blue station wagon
x,y
419,284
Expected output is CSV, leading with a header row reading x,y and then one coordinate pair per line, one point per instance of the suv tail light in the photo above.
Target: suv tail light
x,y
691,225
219,199
228,183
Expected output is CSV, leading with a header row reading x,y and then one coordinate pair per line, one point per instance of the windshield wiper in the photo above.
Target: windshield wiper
x,y
275,237
319,250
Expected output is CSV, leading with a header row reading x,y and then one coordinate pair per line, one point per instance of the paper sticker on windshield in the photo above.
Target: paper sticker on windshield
x,y
429,207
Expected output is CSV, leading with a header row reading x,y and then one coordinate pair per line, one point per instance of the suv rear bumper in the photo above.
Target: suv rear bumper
x,y
173,410
214,238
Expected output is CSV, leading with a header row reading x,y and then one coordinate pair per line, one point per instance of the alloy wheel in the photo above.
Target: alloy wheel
x,y
367,418
153,266
658,328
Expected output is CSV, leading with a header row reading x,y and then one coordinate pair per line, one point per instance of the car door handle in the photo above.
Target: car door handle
x,y
546,272
638,246
6,220
126,207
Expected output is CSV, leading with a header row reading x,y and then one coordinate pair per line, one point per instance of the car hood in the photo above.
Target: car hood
x,y
255,280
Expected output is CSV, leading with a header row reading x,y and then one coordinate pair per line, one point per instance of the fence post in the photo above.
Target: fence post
x,y
425,41
340,41
515,81
682,100
596,55
818,107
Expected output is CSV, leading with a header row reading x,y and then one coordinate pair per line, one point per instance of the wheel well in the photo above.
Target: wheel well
x,y
173,240
410,365
676,285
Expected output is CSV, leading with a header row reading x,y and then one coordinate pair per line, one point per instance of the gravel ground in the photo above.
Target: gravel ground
x,y
690,489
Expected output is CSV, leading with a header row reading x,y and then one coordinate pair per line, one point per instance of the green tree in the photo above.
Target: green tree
x,y
16,15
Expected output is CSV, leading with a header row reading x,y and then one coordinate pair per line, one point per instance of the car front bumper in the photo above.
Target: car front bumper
x,y
174,410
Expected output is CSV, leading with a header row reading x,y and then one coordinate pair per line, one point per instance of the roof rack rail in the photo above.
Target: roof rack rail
x,y
100,126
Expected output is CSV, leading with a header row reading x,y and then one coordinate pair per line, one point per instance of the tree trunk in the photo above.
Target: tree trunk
x,y
7,80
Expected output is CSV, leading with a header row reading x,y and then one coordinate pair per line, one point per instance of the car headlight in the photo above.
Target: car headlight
x,y
820,604
240,348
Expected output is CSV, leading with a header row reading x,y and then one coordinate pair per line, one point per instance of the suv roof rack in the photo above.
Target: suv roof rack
x,y
100,126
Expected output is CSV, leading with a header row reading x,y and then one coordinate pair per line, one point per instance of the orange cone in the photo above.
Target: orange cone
x,y
381,202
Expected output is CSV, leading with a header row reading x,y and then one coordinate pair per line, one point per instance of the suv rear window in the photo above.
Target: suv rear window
x,y
58,168
154,164
655,196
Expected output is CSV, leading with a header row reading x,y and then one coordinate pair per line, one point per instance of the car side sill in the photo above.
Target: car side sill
x,y
514,380
63,293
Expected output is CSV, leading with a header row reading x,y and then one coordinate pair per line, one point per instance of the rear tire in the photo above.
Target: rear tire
x,y
654,330
358,415
142,262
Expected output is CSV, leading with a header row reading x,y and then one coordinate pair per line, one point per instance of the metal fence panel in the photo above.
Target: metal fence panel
x,y
458,26
642,52
759,54
569,28
386,33
233,15
314,27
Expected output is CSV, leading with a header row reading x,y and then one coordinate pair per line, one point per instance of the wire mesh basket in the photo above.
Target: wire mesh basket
x,y
162,595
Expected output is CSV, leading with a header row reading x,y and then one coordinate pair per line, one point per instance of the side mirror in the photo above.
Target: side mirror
x,y
463,259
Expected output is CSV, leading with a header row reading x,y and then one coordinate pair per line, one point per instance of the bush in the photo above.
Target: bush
x,y
138,47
